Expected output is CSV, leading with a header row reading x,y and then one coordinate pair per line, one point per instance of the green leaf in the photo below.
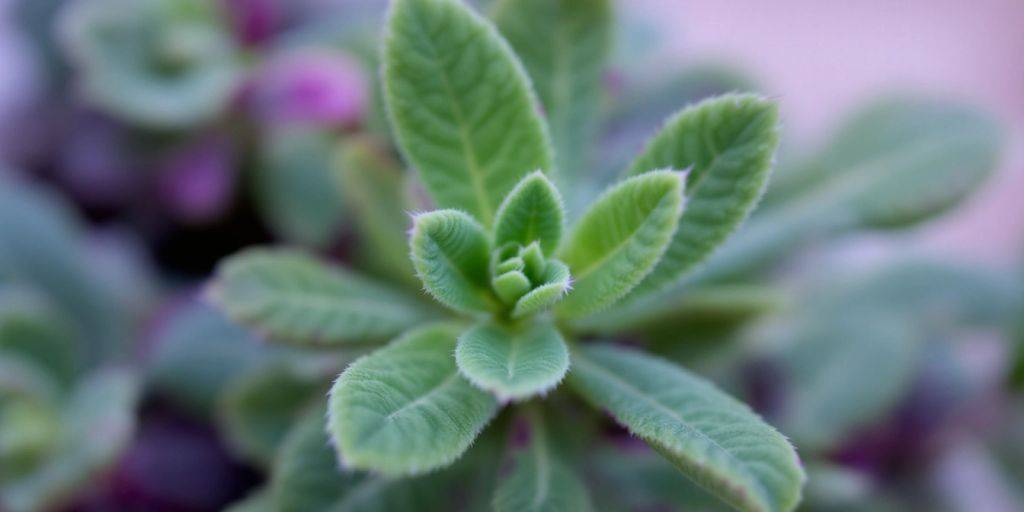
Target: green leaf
x,y
257,408
825,369
31,331
532,212
451,254
728,144
405,409
372,182
97,424
556,283
292,297
461,105
564,45
718,442
513,363
295,187
620,239
306,476
259,500
539,480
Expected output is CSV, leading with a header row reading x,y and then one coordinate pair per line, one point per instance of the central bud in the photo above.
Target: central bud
x,y
515,270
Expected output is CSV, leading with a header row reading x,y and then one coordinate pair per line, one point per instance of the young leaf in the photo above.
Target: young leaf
x,y
619,240
451,254
532,212
513,363
556,284
461,105
728,144
405,409
539,481
294,298
718,442
564,45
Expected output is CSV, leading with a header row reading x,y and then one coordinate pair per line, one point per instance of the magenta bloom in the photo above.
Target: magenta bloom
x,y
312,87
255,21
196,183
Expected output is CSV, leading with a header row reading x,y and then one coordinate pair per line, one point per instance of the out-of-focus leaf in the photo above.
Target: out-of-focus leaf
x,y
259,500
295,187
22,379
727,144
41,248
372,183
512,363
294,298
33,332
634,479
461,105
97,424
532,212
306,475
564,45
620,239
196,353
451,254
900,161
166,64
844,372
405,409
716,441
258,407
539,480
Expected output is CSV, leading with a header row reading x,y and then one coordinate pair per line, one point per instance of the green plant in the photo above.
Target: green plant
x,y
465,116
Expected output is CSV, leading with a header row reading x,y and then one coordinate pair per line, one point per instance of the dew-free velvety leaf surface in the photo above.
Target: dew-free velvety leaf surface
x,y
557,283
291,297
718,442
405,408
564,45
728,144
451,254
539,480
461,105
532,212
513,363
620,239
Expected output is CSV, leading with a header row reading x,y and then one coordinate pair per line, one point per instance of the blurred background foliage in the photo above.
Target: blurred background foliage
x,y
163,135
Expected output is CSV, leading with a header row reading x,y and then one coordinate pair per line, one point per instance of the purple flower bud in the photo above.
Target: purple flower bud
x,y
310,86
255,21
196,182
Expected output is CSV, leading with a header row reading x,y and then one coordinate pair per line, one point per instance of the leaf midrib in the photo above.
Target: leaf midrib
x,y
633,390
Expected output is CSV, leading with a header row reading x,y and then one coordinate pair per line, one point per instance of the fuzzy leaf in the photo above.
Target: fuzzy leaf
x,y
556,284
451,254
728,144
372,183
258,407
564,45
532,212
294,298
718,442
513,363
405,409
295,188
540,481
620,239
461,105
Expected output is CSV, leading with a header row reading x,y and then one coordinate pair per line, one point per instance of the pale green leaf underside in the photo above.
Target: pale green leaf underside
x,y
540,481
564,45
532,212
513,363
461,105
557,283
292,297
718,442
451,254
620,239
405,409
728,144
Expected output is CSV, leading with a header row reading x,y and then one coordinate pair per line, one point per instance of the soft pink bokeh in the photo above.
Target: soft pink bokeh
x,y
822,58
